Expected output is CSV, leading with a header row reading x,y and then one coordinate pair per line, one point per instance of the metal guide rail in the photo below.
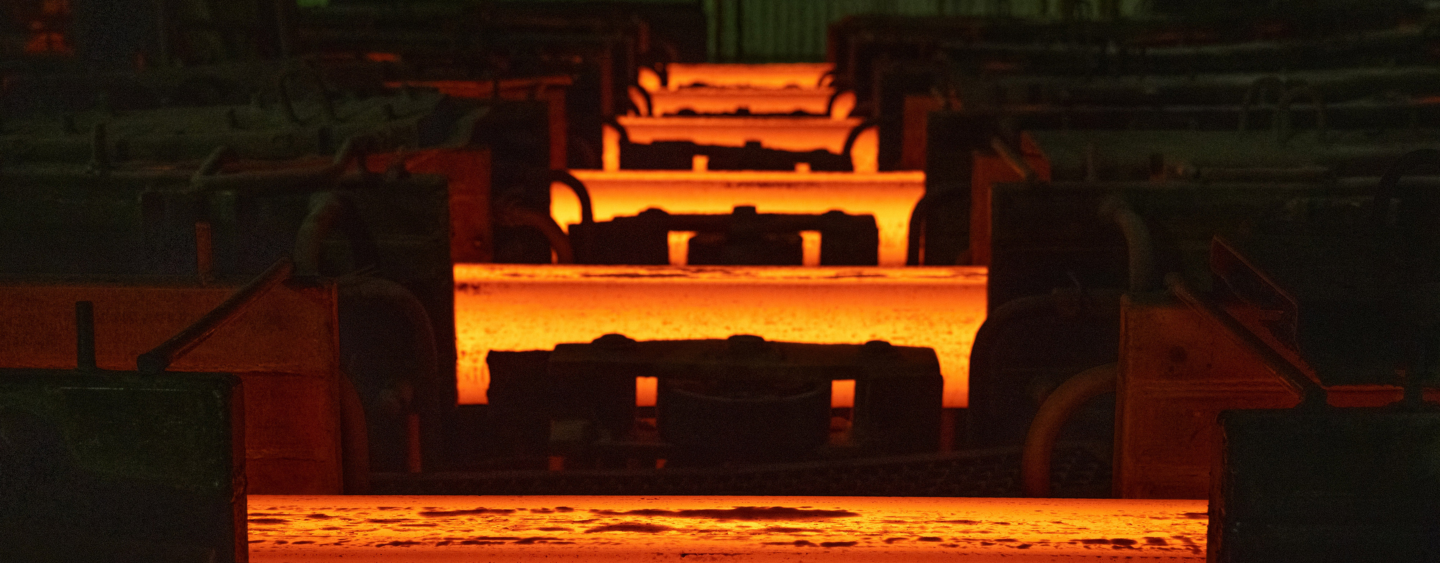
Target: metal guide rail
x,y
282,345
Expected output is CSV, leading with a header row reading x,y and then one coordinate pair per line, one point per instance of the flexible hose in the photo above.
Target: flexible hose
x,y
559,242
329,210
354,439
1139,246
587,211
1059,406
983,361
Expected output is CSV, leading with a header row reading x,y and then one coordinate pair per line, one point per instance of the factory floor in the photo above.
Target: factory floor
x,y
297,529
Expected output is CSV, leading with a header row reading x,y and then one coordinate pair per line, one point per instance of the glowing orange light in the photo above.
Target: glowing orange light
x,y
730,100
889,196
802,134
444,529
784,75
382,57
525,307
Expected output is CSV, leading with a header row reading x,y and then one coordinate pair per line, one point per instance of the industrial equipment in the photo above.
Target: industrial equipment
x,y
720,401
135,465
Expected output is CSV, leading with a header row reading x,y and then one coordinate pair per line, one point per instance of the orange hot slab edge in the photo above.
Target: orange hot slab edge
x,y
779,75
728,100
784,133
524,307
360,529
889,196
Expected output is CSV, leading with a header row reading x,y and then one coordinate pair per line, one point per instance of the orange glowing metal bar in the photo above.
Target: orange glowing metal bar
x,y
729,100
801,134
889,196
525,307
445,529
785,75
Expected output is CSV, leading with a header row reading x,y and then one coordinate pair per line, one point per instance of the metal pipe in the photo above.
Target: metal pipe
x,y
328,210
1139,246
855,132
213,162
279,180
160,358
587,211
915,237
1296,380
354,439
987,338
1059,406
516,216
424,366
1012,158
919,217
85,336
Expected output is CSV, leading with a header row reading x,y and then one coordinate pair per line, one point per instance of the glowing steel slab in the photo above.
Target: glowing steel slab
x,y
523,307
729,100
786,133
458,528
781,75
889,196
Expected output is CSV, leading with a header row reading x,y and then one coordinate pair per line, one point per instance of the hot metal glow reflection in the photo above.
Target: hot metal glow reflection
x,y
729,100
781,75
889,196
785,133
521,307
458,528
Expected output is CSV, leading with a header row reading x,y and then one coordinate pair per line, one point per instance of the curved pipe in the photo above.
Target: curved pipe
x,y
1253,94
329,210
1062,404
1094,303
830,102
1012,158
855,133
1139,246
213,163
1389,186
559,242
354,439
427,363
208,179
425,367
1283,113
587,212
1310,392
919,217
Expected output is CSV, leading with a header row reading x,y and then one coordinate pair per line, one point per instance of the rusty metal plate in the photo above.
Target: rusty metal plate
x,y
1178,372
284,347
